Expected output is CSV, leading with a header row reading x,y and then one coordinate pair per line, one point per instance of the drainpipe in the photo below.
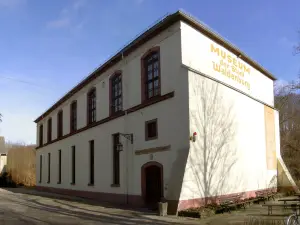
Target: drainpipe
x,y
125,131
127,175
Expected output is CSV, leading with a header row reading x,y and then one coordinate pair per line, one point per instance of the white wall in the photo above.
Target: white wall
x,y
230,125
197,54
172,116
277,134
3,162
233,127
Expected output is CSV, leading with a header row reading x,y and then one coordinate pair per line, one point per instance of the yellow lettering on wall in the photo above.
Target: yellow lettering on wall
x,y
216,67
233,69
234,62
213,49
229,58
248,85
247,69
223,54
230,66
241,65
228,74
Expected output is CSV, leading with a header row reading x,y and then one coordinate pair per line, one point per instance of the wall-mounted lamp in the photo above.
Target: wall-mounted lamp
x,y
128,137
119,147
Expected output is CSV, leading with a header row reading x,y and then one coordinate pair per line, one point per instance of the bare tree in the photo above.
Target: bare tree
x,y
297,47
213,155
287,101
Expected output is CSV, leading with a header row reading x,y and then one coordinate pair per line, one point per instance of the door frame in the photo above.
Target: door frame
x,y
143,177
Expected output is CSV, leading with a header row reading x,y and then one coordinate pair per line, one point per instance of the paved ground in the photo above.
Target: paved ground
x,y
20,206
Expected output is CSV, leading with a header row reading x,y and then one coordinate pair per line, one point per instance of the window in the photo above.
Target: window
x,y
151,74
49,130
49,167
116,161
41,168
73,118
73,165
151,130
92,106
41,135
59,166
60,124
92,162
116,92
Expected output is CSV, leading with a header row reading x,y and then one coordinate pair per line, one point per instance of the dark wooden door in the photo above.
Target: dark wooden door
x,y
153,186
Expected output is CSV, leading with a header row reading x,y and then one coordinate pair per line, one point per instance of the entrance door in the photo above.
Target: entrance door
x,y
153,185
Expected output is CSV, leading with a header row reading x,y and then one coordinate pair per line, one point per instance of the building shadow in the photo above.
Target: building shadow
x,y
56,197
101,217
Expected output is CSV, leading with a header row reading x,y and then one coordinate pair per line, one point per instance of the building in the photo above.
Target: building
x,y
3,155
3,162
179,113
2,145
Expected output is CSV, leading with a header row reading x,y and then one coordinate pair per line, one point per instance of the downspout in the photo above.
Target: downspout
x,y
127,175
125,131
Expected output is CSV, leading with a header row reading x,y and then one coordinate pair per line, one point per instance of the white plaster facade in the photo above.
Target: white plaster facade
x,y
3,162
230,118
186,62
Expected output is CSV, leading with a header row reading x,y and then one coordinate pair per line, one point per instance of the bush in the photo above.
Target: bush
x,y
6,181
212,206
290,193
193,212
204,211
3,179
21,165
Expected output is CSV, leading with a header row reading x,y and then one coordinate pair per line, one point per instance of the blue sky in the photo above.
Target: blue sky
x,y
49,46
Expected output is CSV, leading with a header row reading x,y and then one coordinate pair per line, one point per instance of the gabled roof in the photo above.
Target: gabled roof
x,y
149,34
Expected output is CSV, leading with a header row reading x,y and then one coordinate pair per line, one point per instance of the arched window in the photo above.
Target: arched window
x,y
60,124
49,138
73,116
41,131
151,74
116,92
91,107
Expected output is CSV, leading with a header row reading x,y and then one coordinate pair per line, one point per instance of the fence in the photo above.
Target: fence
x,y
21,165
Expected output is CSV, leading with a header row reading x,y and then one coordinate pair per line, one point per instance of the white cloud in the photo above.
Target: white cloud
x,y
65,12
281,83
68,16
281,86
80,25
78,4
139,1
59,23
11,3
25,102
18,127
286,42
